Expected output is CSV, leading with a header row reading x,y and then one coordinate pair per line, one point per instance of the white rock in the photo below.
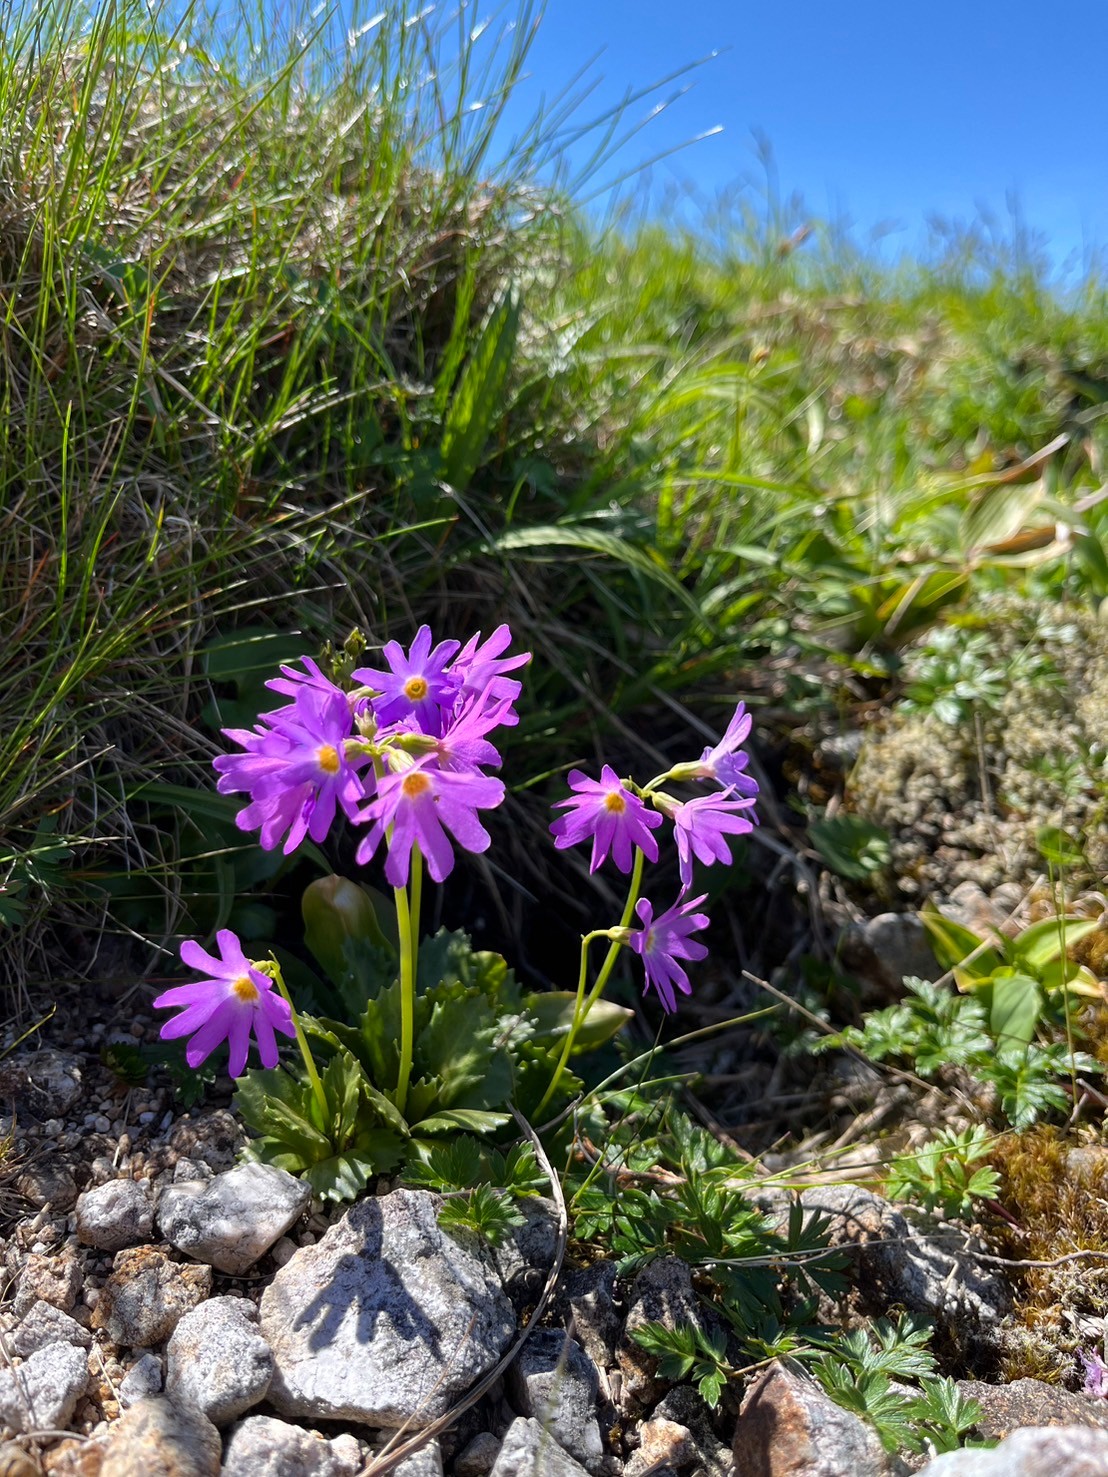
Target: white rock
x,y
42,1394
529,1451
234,1218
218,1361
44,1324
387,1320
265,1447
114,1215
142,1379
1032,1451
555,1381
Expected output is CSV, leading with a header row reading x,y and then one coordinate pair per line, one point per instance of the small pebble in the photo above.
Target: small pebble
x,y
283,1250
52,1128
145,1118
119,1127
91,1297
138,1030
102,1124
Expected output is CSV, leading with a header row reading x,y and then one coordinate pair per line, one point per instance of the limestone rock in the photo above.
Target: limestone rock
x,y
662,1443
233,1219
586,1296
266,1447
524,1258
117,1214
554,1380
685,1406
142,1379
788,1427
881,951
54,1279
42,1394
157,1438
1034,1451
900,1263
218,1361
426,1462
44,1083
477,1457
662,1293
44,1324
1005,1408
147,1295
386,1320
529,1451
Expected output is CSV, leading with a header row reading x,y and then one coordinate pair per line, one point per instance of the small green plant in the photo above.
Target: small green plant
x,y
852,847
953,675
858,1373
934,1028
687,1352
947,1173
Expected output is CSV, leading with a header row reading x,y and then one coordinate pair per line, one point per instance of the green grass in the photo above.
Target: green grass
x,y
286,345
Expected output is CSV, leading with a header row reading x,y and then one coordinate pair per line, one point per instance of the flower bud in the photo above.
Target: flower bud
x,y
336,909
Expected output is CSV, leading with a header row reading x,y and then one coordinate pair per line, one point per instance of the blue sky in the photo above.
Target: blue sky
x,y
876,113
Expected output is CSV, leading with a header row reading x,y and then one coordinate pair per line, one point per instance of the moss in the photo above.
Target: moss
x,y
1054,1198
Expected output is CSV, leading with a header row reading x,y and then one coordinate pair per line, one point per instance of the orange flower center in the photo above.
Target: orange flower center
x,y
415,689
615,802
328,757
414,783
245,989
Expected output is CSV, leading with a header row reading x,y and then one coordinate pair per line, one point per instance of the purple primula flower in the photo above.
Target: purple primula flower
x,y
419,684
700,825
292,681
295,770
1096,1373
463,745
421,804
607,811
235,1000
663,941
726,762
482,668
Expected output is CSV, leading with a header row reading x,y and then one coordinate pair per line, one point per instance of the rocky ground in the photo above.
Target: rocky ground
x,y
171,1310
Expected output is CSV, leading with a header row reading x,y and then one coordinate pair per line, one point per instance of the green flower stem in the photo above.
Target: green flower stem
x,y
408,946
305,1050
584,1003
416,906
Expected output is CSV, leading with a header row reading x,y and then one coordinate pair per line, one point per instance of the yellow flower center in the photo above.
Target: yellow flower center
x,y
245,989
615,802
328,757
415,689
415,783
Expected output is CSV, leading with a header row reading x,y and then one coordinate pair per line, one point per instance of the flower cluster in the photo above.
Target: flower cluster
x,y
621,820
404,751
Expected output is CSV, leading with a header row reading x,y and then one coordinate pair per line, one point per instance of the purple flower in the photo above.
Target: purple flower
x,y
482,669
419,683
608,812
726,762
234,1000
1096,1373
663,941
463,745
292,681
421,804
295,769
699,828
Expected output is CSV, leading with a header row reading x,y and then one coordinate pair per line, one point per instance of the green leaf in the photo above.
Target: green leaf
x,y
1042,943
952,945
1017,1006
1059,848
553,1014
473,1119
